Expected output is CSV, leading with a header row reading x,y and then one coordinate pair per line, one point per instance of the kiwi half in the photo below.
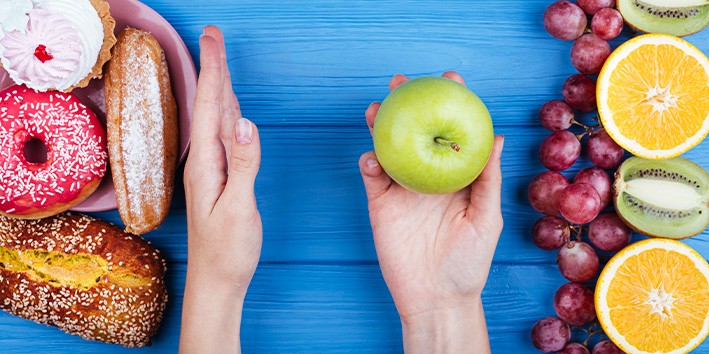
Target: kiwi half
x,y
675,17
666,198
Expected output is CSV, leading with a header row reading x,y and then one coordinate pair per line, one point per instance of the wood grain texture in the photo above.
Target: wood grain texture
x,y
314,209
294,308
304,72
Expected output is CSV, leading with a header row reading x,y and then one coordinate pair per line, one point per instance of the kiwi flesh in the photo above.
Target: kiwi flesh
x,y
665,198
675,17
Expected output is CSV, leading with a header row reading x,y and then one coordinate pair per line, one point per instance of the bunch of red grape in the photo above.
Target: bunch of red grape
x,y
572,208
567,21
551,334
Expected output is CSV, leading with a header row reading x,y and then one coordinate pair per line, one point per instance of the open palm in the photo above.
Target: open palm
x,y
223,223
435,251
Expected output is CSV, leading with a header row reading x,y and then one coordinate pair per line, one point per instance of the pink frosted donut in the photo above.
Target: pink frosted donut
x,y
75,142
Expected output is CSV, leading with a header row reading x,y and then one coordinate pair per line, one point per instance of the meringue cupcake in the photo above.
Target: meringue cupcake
x,y
61,45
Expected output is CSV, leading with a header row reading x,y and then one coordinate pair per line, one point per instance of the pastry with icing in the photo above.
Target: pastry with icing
x,y
55,44
34,186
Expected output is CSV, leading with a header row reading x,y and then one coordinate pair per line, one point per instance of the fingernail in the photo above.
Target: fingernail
x,y
502,145
204,30
244,131
372,163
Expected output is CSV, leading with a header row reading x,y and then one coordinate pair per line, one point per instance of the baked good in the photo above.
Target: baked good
x,y
141,122
34,187
56,44
85,276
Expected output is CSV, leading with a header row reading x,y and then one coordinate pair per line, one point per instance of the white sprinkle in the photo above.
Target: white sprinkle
x,y
75,155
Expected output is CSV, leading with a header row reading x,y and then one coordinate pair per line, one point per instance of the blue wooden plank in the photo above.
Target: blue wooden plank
x,y
320,62
314,208
324,309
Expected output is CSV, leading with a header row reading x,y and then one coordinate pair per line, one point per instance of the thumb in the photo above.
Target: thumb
x,y
485,190
376,181
244,161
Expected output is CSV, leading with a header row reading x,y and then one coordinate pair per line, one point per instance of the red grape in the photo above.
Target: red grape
x,y
550,334
574,348
589,53
592,6
556,115
600,181
609,233
603,151
607,23
550,232
606,347
565,20
544,190
559,150
577,261
573,303
580,92
579,203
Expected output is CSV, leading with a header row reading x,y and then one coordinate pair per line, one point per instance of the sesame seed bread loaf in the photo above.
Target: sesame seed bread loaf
x,y
141,117
85,276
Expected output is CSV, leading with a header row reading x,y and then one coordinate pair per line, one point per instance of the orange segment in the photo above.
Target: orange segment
x,y
653,96
653,297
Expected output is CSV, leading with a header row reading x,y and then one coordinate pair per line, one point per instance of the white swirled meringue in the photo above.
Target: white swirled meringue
x,y
58,48
14,15
44,56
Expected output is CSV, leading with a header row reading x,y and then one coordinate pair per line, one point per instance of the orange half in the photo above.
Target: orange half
x,y
653,96
653,297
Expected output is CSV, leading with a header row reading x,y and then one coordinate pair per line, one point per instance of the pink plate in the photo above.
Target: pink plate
x,y
135,14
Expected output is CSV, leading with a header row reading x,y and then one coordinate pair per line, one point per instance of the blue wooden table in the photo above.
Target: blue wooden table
x,y
305,72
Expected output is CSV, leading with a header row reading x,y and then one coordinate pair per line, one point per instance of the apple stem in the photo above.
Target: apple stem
x,y
452,144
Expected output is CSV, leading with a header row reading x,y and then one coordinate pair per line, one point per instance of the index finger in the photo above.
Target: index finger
x,y
207,104
205,172
397,80
230,111
454,76
373,108
371,113
230,104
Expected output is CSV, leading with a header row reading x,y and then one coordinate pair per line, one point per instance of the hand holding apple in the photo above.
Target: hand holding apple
x,y
433,135
435,250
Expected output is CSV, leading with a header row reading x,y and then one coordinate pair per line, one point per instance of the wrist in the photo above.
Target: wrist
x,y
211,316
215,269
204,281
453,329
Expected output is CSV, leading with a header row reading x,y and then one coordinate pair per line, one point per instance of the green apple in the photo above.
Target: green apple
x,y
432,135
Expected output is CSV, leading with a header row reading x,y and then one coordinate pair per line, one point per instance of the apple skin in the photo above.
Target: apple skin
x,y
408,123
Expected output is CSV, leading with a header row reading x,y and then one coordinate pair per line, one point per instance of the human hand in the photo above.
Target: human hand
x,y
435,251
223,223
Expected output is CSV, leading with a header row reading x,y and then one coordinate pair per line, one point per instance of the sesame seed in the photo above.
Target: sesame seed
x,y
92,312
